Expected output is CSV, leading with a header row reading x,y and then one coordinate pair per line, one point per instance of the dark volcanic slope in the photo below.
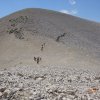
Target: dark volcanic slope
x,y
80,35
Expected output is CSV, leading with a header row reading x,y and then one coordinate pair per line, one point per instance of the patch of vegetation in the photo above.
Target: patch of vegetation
x,y
20,19
59,37
18,32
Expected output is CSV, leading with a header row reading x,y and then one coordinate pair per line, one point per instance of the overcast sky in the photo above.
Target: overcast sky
x,y
88,9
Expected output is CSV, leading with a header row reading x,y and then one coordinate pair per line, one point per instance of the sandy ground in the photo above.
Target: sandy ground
x,y
14,52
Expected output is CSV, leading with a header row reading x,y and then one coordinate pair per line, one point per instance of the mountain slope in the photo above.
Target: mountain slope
x,y
68,40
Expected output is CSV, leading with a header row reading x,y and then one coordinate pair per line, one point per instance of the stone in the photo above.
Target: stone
x,y
2,89
1,94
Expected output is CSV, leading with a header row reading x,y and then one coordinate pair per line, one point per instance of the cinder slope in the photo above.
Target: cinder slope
x,y
68,40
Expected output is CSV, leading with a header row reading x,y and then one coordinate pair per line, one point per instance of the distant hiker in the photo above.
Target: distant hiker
x,y
34,58
37,59
42,46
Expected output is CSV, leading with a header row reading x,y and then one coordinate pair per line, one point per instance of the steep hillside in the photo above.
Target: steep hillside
x,y
53,37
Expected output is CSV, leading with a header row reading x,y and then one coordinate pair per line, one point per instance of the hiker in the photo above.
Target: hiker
x,y
37,59
42,46
34,58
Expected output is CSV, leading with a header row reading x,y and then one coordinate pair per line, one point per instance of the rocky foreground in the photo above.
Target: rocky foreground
x,y
48,83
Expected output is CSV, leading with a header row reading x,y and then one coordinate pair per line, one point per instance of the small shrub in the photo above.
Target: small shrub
x,y
17,32
20,19
62,35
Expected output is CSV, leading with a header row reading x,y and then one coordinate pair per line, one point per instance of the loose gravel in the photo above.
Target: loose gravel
x,y
49,83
